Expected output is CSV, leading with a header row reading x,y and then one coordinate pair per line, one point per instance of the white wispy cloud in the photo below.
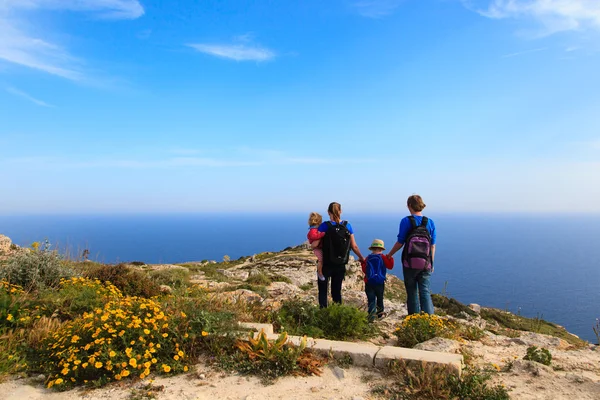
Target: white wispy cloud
x,y
181,162
520,53
237,52
113,9
20,44
27,96
376,8
554,15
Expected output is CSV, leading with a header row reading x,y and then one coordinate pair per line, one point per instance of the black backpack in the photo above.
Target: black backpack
x,y
417,247
336,244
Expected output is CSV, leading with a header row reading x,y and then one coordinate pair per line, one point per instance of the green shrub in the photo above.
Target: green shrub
x,y
131,282
342,322
416,381
473,385
35,269
337,321
540,355
174,277
260,279
77,296
128,337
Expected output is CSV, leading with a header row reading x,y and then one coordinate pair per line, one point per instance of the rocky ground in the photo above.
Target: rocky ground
x,y
573,374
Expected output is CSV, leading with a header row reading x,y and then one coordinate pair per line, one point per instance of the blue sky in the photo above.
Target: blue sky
x,y
138,106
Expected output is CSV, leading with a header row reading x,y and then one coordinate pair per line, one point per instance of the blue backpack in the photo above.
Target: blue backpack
x,y
375,269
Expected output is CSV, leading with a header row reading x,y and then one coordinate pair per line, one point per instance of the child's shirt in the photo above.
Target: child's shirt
x,y
314,234
387,261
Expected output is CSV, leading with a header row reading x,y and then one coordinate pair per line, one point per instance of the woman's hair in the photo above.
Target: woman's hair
x,y
314,219
415,203
335,210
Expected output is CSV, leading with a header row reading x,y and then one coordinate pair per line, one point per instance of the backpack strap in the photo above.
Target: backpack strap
x,y
413,222
424,221
344,223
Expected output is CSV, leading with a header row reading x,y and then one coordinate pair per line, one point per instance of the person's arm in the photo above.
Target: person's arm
x,y
315,243
394,250
388,261
355,248
432,256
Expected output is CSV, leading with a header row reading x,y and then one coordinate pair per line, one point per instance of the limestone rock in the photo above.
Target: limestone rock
x,y
283,290
441,345
541,340
531,367
339,373
475,307
5,243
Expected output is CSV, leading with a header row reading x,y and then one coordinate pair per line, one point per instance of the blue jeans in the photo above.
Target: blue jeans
x,y
374,299
418,296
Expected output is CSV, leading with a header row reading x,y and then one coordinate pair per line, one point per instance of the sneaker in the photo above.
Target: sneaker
x,y
381,315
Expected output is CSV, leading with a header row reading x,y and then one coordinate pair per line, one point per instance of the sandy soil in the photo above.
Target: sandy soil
x,y
215,385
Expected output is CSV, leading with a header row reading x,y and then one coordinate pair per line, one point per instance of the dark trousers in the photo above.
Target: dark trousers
x,y
374,299
336,288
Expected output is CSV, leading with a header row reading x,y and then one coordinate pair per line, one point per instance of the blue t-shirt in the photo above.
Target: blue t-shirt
x,y
406,227
323,227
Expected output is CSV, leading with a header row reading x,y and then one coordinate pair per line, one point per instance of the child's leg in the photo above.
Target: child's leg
x,y
371,298
380,290
319,254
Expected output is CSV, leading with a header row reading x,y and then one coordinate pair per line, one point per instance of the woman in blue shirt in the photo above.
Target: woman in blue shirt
x,y
416,281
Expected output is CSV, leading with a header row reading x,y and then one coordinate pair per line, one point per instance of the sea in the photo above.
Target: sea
x,y
545,266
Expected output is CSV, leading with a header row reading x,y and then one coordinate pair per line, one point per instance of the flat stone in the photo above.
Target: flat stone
x,y
268,328
453,362
441,345
339,373
362,354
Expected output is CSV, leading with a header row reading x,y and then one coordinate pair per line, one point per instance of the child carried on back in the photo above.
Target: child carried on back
x,y
375,267
314,238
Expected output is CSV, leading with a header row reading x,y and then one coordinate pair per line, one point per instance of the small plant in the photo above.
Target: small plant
x,y
36,269
226,258
281,278
426,381
418,328
269,359
539,355
470,332
307,286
